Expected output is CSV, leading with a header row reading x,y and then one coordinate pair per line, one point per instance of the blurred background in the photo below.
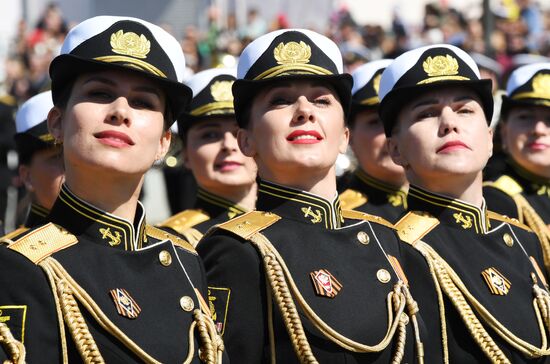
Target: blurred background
x,y
501,34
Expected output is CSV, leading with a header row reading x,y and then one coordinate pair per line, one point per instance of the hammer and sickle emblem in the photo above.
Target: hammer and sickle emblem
x,y
315,216
465,221
115,238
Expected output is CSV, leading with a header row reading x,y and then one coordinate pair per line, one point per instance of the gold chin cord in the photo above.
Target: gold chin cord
x,y
14,348
68,295
285,293
469,309
531,218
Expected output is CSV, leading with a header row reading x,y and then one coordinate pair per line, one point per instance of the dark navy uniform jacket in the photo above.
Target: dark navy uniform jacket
x,y
158,273
491,254
312,237
367,194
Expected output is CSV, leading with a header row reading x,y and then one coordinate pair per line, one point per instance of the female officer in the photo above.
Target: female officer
x,y
85,287
40,162
299,280
378,186
435,111
523,191
225,177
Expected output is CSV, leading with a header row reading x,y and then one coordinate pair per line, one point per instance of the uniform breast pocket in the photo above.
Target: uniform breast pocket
x,y
14,317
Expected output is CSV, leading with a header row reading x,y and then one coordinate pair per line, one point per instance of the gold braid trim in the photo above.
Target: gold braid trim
x,y
284,289
531,218
14,348
70,293
466,303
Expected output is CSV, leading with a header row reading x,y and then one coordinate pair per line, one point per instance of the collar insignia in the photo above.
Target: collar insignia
x,y
107,234
130,44
325,284
125,304
292,52
440,66
498,284
466,221
316,216
221,91
395,199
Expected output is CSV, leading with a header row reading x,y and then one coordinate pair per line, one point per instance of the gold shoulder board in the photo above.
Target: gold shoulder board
x,y
250,223
8,100
43,242
185,220
496,216
358,215
506,184
9,236
350,199
163,235
414,225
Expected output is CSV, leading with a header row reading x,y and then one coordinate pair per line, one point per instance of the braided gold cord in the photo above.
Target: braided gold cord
x,y
78,328
401,338
532,219
14,348
284,289
288,310
212,344
458,293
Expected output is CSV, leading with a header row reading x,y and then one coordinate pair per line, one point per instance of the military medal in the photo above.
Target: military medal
x,y
325,284
498,284
125,304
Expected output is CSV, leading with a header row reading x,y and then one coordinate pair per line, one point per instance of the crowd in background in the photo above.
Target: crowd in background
x,y
519,32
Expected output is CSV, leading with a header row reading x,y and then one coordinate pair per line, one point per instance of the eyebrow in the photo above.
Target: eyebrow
x,y
434,101
208,125
140,88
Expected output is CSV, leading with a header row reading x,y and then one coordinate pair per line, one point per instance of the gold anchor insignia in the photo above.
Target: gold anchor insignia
x,y
541,85
498,284
376,82
395,199
221,91
440,66
130,44
316,216
292,52
465,221
115,238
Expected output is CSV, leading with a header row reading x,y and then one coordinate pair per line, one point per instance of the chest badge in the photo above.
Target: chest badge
x,y
325,284
498,284
125,305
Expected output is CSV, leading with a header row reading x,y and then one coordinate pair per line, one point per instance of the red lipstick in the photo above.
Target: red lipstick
x,y
304,137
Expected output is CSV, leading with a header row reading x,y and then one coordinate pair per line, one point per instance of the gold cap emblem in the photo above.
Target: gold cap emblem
x,y
440,66
376,82
292,52
130,44
541,85
221,91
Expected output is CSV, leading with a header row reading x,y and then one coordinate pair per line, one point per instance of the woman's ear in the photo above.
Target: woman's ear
x,y
25,177
55,123
395,153
246,143
164,144
345,141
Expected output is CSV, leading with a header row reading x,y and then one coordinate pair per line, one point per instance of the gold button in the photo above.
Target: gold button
x,y
363,237
165,258
187,303
383,275
508,239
